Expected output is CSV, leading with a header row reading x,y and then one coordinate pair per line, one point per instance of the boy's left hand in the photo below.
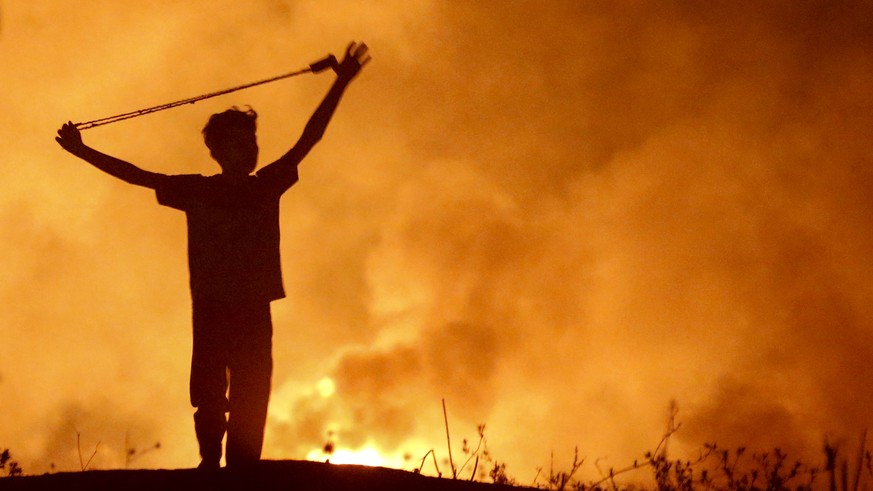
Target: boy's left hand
x,y
70,138
356,57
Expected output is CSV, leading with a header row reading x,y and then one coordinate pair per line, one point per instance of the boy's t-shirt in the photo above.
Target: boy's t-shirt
x,y
233,233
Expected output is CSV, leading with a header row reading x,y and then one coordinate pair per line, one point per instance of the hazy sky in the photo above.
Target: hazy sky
x,y
558,216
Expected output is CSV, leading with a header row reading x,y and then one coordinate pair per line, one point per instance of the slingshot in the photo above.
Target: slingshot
x,y
316,67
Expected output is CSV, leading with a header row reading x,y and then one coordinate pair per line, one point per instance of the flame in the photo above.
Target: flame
x,y
367,455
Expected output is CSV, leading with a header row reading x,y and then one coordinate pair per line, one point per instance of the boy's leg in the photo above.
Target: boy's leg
x,y
208,386
251,367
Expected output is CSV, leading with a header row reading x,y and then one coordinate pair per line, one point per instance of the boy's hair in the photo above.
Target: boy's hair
x,y
221,125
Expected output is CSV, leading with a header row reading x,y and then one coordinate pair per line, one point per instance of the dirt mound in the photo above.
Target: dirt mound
x,y
266,476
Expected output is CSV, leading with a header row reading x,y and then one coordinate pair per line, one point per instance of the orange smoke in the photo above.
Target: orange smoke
x,y
558,218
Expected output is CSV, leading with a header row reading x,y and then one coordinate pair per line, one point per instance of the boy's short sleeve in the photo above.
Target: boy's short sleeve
x,y
178,191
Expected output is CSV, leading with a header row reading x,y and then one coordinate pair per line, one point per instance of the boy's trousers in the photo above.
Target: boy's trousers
x,y
232,346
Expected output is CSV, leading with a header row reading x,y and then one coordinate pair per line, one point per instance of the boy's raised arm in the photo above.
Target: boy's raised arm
x,y
70,139
355,57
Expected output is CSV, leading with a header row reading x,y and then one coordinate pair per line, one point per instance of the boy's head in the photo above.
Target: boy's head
x,y
230,137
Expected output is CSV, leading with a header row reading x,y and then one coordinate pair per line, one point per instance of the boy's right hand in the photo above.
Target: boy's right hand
x,y
70,138
356,57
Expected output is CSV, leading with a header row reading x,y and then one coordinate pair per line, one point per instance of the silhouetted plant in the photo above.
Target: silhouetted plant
x,y
132,453
498,474
475,454
82,463
329,446
449,442
436,466
716,469
9,466
834,464
558,481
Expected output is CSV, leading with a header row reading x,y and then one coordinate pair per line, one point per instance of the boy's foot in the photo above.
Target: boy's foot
x,y
209,465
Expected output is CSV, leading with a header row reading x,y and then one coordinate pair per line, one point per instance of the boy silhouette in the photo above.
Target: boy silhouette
x,y
234,263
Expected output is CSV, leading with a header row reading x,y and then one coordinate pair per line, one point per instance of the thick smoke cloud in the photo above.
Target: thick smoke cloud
x,y
558,218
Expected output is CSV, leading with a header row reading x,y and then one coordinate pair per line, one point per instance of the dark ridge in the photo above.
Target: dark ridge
x,y
286,475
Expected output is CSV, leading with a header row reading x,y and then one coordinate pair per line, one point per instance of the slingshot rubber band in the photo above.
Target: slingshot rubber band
x,y
313,68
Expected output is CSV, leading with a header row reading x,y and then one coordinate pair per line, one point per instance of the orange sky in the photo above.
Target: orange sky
x,y
559,218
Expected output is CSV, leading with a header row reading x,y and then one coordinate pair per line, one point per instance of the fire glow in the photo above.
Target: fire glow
x,y
557,217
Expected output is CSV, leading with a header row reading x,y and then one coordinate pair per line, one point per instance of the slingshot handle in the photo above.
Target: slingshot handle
x,y
323,64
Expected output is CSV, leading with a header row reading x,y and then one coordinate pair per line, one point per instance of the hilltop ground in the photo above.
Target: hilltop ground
x,y
267,476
